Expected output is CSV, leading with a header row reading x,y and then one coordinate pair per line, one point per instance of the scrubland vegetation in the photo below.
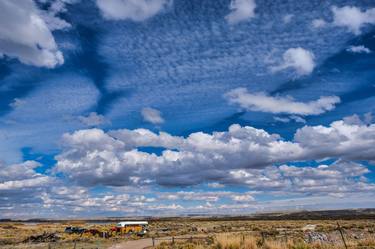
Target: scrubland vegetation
x,y
240,241
219,233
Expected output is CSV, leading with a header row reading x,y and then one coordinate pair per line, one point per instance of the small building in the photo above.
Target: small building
x,y
138,227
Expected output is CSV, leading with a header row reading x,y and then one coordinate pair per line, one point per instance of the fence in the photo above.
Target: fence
x,y
281,235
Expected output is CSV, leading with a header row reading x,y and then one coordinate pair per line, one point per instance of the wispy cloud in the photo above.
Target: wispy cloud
x,y
358,49
318,23
152,115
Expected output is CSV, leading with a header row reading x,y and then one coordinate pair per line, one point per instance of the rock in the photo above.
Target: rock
x,y
312,237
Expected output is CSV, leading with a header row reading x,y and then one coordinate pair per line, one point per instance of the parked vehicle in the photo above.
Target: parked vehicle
x,y
76,230
131,227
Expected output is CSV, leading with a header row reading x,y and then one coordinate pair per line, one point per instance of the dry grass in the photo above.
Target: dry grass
x,y
229,234
242,241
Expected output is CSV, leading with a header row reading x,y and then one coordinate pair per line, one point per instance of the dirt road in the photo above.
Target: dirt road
x,y
133,244
142,243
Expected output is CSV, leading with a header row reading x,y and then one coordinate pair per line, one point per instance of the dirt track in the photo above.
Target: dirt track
x,y
134,244
142,243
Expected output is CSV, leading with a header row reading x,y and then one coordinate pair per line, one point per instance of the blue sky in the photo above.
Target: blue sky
x,y
134,107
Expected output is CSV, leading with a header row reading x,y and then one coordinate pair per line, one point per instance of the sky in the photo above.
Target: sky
x,y
178,107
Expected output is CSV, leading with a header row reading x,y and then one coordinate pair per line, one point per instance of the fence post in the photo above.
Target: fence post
x,y
342,235
172,240
191,239
153,241
263,238
75,244
243,239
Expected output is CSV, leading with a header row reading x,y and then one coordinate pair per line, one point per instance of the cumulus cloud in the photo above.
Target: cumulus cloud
x,y
135,10
25,35
299,59
358,49
93,119
265,103
353,18
337,178
152,116
241,10
92,157
113,158
21,176
340,139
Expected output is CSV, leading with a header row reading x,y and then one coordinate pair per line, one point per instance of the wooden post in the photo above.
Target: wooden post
x,y
191,239
153,241
49,245
286,237
243,239
263,238
342,235
75,244
172,240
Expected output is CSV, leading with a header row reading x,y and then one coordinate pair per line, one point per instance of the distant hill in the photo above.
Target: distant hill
x,y
344,214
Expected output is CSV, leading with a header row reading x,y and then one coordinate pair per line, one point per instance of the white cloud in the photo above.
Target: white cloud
x,y
265,103
301,60
152,115
24,35
215,185
92,157
242,198
340,139
241,10
353,18
195,196
16,177
358,49
17,103
297,119
337,178
50,16
93,119
288,18
318,23
135,10
113,158
282,120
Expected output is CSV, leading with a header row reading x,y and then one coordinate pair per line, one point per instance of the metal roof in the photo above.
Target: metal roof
x,y
128,223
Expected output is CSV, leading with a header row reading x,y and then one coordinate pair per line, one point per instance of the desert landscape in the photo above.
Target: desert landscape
x,y
297,230
187,124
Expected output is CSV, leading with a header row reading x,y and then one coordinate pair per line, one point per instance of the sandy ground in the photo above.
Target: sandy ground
x,y
135,244
142,243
